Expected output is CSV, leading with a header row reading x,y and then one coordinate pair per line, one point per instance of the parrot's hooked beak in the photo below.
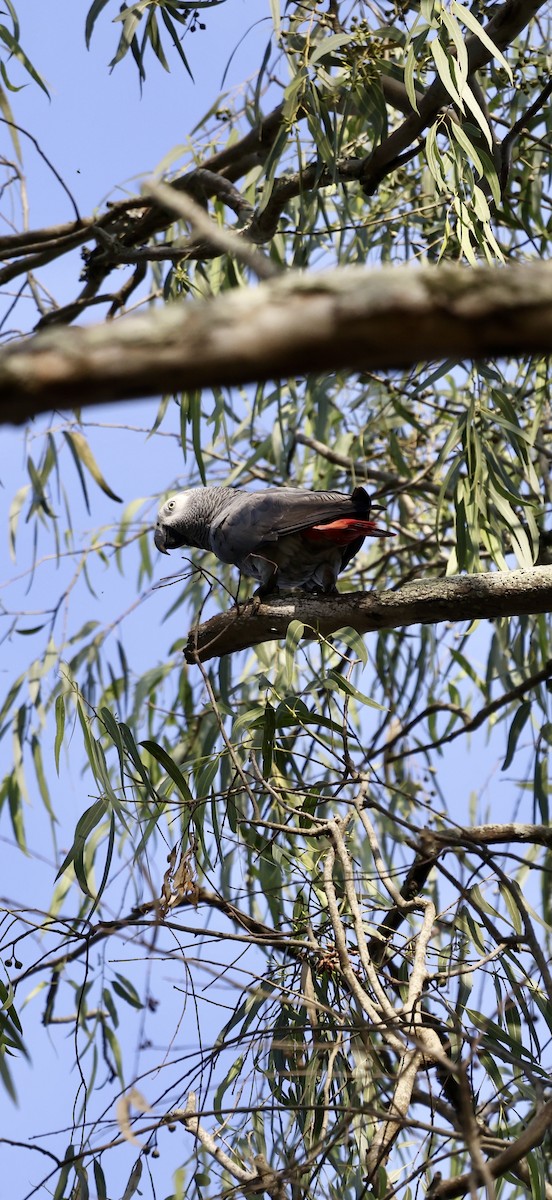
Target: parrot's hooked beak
x,y
160,538
167,539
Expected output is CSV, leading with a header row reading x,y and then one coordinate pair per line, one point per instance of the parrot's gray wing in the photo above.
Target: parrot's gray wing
x,y
257,517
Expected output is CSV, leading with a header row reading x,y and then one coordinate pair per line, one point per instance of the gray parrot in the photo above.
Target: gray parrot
x,y
282,537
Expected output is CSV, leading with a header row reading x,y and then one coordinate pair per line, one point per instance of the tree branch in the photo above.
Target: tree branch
x,y
474,722
508,21
360,467
424,602
354,318
486,835
505,1161
216,175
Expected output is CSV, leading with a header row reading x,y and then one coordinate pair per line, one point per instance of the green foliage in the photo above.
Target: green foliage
x,y
141,31
279,848
11,1042
11,51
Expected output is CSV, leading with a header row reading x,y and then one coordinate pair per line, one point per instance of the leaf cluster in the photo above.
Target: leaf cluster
x,y
346,930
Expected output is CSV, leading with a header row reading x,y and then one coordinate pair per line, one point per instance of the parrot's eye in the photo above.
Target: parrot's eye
x,y
170,504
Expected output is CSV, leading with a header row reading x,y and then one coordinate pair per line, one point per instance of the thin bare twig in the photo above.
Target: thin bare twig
x,y
480,718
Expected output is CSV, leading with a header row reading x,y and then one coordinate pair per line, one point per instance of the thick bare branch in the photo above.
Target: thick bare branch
x,y
353,318
425,602
490,835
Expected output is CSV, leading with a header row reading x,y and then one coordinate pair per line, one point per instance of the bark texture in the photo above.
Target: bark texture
x,y
425,602
350,318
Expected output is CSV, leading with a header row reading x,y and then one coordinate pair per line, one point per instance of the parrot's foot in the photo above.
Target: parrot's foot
x,y
247,606
316,589
266,591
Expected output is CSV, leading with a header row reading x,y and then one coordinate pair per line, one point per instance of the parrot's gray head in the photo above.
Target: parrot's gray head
x,y
186,518
175,522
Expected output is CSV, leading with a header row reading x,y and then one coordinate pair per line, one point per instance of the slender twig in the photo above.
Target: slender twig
x,y
49,164
480,718
192,1123
507,144
531,1137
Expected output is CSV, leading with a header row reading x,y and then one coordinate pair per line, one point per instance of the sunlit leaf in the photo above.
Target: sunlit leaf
x,y
466,15
294,634
86,823
82,454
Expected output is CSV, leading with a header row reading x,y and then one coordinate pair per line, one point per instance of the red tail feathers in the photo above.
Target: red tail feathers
x,y
344,531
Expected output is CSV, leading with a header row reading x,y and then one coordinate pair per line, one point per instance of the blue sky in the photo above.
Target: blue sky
x,y
97,129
